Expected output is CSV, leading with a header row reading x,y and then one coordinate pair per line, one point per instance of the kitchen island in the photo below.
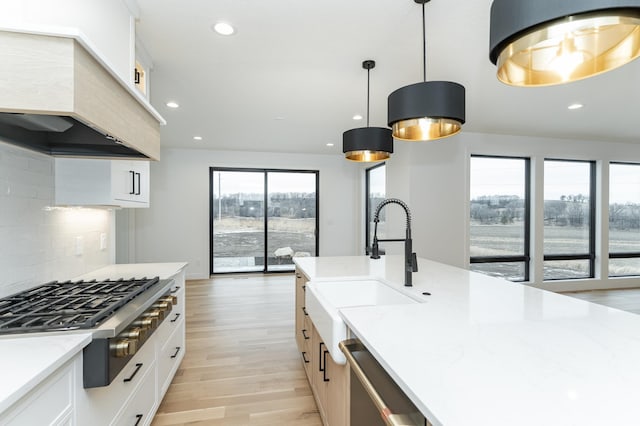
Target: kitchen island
x,y
482,350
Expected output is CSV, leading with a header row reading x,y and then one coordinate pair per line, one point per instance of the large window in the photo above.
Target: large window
x,y
376,189
569,219
624,219
499,217
261,218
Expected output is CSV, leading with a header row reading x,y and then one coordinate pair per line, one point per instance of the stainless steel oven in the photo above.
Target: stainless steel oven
x,y
375,398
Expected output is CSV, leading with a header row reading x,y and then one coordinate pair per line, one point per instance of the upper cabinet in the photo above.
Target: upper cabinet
x,y
86,182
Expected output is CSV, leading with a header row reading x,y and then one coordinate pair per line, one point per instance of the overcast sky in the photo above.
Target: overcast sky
x,y
492,176
253,182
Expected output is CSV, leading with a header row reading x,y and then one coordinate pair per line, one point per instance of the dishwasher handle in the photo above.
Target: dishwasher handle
x,y
387,415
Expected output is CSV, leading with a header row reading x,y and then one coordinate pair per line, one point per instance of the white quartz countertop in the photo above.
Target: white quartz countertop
x,y
27,360
134,270
482,350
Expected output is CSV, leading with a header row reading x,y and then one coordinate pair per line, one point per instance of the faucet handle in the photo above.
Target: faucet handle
x,y
414,262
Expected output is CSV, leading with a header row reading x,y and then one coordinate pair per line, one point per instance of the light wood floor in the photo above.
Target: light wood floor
x,y
241,365
627,299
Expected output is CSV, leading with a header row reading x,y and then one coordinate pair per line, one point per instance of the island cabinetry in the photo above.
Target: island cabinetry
x,y
329,381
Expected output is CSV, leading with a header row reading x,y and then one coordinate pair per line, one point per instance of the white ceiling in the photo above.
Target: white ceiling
x,y
291,79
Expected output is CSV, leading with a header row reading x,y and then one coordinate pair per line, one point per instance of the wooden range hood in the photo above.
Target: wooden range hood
x,y
56,98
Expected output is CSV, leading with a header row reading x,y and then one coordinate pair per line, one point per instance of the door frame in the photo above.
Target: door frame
x,y
265,172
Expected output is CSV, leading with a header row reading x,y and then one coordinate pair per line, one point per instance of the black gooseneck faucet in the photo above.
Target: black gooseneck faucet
x,y
410,258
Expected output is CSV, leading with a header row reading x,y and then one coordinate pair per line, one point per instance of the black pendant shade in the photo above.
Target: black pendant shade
x,y
546,42
429,110
367,144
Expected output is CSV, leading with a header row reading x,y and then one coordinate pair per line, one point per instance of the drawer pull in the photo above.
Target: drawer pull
x,y
324,372
130,378
138,418
304,288
176,354
304,309
176,318
304,358
175,290
304,334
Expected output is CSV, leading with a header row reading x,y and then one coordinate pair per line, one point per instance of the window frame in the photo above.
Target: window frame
x,y
526,256
367,211
591,255
621,255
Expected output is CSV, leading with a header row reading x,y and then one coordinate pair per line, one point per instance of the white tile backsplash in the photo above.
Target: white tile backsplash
x,y
37,240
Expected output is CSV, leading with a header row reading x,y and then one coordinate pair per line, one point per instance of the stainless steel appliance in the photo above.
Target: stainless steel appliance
x,y
121,315
375,399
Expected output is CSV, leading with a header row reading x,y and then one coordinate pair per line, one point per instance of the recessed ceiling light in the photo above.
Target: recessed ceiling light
x,y
197,138
357,117
172,104
575,106
329,144
223,28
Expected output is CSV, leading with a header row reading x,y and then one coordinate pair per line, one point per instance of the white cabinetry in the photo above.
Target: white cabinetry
x,y
123,183
51,403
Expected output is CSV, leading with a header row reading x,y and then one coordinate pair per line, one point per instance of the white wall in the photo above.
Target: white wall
x,y
176,227
107,24
439,193
37,243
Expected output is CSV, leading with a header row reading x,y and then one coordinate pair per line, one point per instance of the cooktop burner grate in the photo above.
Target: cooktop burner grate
x,y
68,305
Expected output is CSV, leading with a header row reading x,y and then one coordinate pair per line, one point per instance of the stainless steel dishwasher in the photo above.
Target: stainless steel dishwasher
x,y
375,398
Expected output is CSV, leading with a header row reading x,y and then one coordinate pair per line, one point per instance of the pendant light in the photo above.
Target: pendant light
x,y
546,42
429,110
367,144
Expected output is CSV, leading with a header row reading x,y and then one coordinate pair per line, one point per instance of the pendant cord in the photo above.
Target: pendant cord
x,y
368,76
424,46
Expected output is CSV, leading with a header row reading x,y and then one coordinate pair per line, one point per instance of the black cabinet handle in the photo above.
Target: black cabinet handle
x,y
133,182
320,367
304,334
298,276
324,372
130,378
175,290
138,191
176,318
304,309
304,357
138,418
304,288
176,354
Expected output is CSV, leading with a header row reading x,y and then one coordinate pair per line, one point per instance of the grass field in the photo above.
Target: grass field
x,y
501,240
238,242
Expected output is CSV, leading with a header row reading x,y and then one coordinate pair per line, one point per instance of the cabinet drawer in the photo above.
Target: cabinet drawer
x,y
173,319
105,402
139,409
51,403
170,356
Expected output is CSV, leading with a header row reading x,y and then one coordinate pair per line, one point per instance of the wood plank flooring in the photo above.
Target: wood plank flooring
x,y
626,299
241,365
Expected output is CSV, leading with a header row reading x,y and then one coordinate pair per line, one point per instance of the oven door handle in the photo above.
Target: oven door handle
x,y
389,418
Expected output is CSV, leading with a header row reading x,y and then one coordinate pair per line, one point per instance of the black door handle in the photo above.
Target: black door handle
x,y
133,182
138,191
176,318
320,367
324,372
304,357
176,354
138,418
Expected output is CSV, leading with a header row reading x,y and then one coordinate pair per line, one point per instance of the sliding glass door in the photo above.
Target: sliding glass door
x,y
262,218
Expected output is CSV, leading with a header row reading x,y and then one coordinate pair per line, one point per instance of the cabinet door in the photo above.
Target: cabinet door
x,y
130,181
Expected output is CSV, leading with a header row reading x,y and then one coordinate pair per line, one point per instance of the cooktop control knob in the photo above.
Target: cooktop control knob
x,y
146,322
123,347
135,333
154,313
163,306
